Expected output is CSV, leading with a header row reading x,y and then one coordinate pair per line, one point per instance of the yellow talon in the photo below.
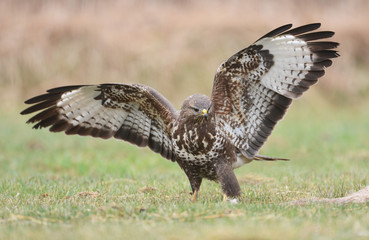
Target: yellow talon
x,y
194,197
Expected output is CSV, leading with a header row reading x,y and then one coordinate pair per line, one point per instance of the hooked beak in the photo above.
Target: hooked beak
x,y
204,113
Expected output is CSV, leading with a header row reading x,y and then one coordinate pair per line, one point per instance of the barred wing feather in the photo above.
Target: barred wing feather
x,y
135,113
253,89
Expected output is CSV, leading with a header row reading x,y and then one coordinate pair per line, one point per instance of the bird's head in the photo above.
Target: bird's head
x,y
196,107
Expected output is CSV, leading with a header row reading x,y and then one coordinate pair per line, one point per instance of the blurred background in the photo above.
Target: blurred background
x,y
173,46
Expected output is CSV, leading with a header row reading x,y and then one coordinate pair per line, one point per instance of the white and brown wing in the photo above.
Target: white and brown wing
x,y
134,113
253,89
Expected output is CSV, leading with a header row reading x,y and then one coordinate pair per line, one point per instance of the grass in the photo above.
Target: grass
x,y
69,187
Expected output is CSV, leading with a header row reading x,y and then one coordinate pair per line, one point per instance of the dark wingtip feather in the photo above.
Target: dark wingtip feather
x,y
324,55
40,98
318,46
276,31
65,88
47,122
303,29
53,93
24,112
316,35
38,107
318,66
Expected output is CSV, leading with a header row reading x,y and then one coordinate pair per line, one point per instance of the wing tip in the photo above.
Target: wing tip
x,y
276,31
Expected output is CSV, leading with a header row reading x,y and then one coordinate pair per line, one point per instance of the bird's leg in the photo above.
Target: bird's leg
x,y
227,180
194,196
195,185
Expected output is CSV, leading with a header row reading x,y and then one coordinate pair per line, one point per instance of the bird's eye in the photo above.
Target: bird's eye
x,y
196,109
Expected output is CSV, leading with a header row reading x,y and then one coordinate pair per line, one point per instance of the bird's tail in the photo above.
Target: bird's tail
x,y
266,158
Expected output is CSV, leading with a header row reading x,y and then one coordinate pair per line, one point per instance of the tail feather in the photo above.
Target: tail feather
x,y
266,158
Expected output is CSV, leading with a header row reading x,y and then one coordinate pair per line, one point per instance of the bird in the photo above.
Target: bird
x,y
208,137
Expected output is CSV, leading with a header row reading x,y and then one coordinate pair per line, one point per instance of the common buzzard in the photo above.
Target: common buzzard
x,y
208,137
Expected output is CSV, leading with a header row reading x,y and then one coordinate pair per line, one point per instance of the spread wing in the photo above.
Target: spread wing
x,y
253,89
135,113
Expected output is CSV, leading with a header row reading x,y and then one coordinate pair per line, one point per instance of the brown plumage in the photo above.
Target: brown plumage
x,y
208,137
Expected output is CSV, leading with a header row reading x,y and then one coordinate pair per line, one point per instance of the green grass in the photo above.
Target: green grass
x,y
70,187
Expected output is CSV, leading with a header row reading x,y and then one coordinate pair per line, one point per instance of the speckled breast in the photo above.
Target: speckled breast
x,y
198,145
